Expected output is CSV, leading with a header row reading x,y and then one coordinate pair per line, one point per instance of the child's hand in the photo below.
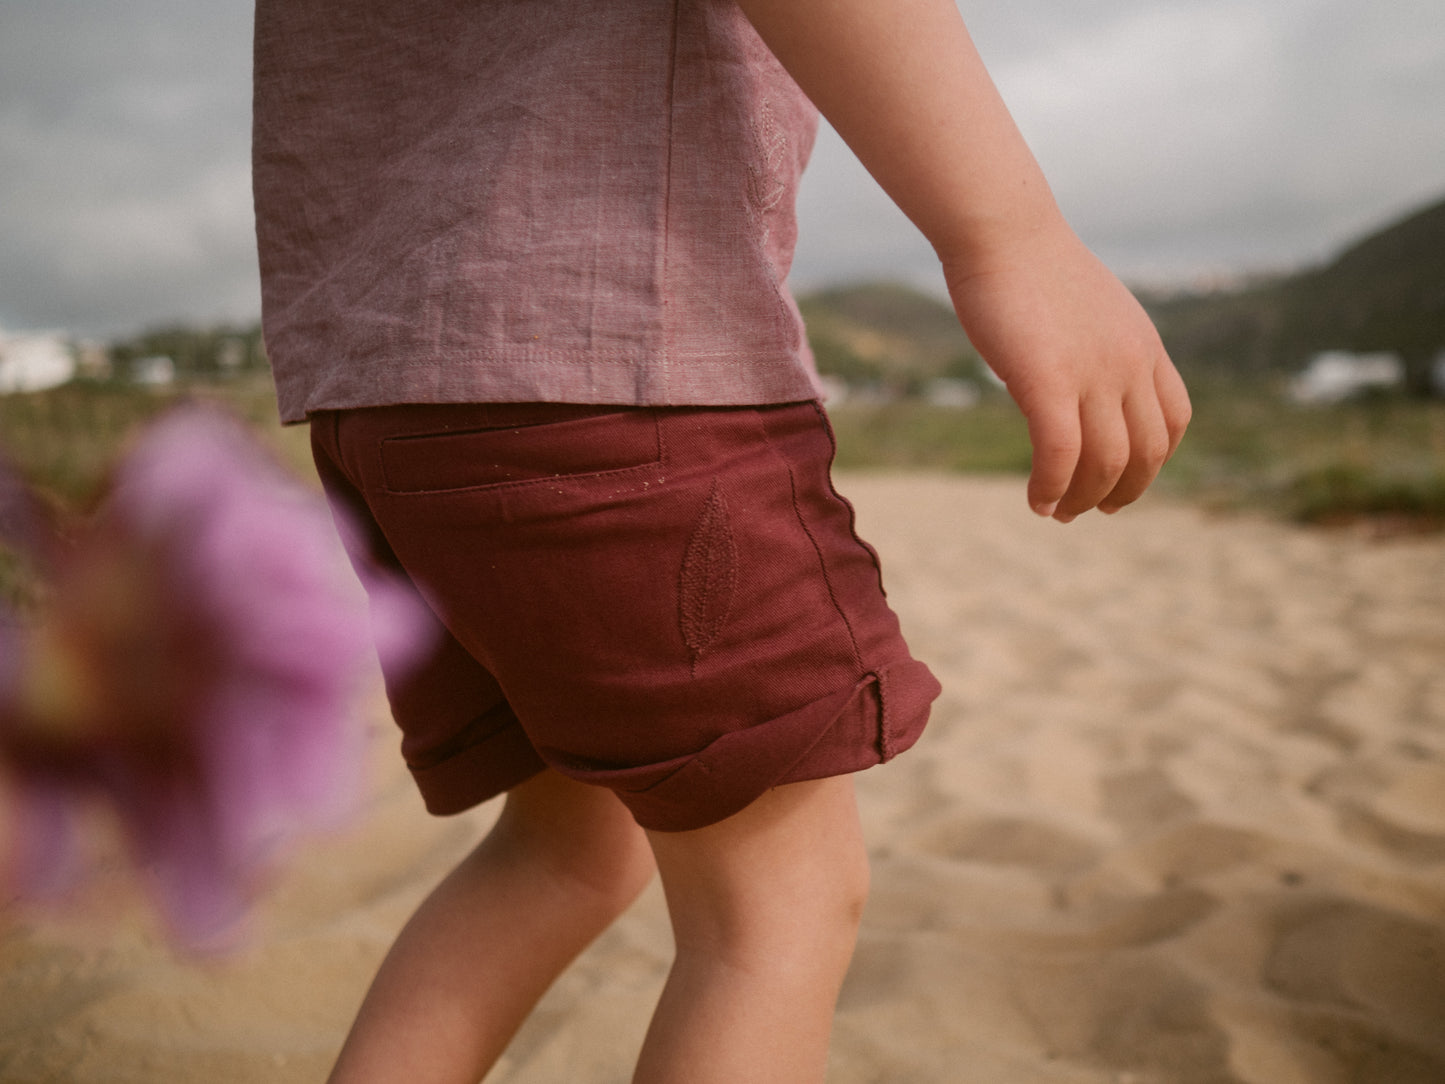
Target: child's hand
x,y
1104,404
903,84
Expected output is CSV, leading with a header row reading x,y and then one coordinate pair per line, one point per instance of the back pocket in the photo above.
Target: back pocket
x,y
473,458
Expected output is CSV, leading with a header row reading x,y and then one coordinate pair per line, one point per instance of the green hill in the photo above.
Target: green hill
x,y
1384,292
885,333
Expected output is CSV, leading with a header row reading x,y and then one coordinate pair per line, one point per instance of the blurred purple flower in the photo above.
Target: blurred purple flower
x,y
195,666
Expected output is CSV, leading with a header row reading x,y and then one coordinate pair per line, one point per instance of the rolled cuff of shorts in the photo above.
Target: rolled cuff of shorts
x,y
816,741
477,773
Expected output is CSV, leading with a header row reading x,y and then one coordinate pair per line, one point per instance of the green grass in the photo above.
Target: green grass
x,y
1246,448
1381,457
65,439
910,434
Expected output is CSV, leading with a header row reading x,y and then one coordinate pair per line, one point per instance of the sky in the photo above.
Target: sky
x,y
1188,142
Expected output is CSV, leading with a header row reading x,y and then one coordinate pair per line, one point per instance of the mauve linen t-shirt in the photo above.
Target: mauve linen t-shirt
x,y
582,201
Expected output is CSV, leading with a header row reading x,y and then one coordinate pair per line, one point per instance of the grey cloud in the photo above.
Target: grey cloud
x,y
1182,137
1204,136
124,173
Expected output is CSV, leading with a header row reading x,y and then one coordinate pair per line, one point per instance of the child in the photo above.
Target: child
x,y
522,267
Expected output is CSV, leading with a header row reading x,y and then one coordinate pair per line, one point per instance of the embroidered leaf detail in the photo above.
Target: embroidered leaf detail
x,y
709,573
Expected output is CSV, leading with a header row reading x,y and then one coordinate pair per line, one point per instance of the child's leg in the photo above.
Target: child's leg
x,y
563,861
765,908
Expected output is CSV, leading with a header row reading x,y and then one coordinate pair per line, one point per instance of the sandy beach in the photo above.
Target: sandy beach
x,y
1179,818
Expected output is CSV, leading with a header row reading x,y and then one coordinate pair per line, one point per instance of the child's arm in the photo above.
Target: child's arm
x,y
905,88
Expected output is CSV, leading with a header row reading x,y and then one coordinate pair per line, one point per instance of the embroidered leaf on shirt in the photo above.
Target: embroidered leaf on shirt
x,y
766,183
709,574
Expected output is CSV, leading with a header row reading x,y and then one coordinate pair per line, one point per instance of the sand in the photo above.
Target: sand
x,y
1179,817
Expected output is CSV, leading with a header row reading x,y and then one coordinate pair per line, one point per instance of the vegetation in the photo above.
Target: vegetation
x,y
909,434
196,352
883,337
1382,459
1379,457
1384,293
64,439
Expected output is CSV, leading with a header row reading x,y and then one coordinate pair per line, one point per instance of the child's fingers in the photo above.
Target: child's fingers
x,y
1150,445
1056,435
1103,458
1174,403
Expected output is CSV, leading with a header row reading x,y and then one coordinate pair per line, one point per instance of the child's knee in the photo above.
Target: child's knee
x,y
840,901
619,868
579,836
855,882
788,878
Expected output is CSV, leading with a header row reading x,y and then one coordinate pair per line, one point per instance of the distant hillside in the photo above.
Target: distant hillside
x,y
1384,292
885,333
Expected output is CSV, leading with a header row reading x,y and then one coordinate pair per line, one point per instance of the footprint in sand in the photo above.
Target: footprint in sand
x,y
1191,853
1137,1017
1408,817
1056,856
1143,799
1397,810
1010,841
1108,924
1348,960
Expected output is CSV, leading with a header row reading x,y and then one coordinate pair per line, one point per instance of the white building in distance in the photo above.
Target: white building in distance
x,y
34,362
1336,375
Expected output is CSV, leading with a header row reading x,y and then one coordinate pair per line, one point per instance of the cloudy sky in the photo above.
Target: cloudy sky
x,y
1185,139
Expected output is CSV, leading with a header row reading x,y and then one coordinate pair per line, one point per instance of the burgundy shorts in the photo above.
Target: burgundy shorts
x,y
669,602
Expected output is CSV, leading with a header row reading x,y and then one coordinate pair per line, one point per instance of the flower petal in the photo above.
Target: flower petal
x,y
210,607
